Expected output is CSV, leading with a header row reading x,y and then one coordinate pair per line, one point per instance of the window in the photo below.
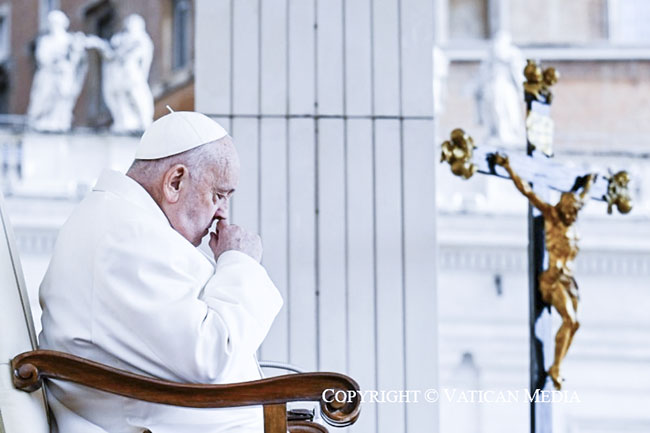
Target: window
x,y
5,53
628,21
468,20
5,46
181,34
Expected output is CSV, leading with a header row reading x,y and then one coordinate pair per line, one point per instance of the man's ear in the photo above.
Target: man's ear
x,y
174,179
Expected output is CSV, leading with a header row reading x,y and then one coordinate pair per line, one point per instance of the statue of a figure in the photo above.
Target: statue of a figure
x,y
556,284
61,67
125,72
499,93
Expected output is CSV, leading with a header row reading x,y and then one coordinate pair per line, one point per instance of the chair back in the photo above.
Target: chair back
x,y
19,411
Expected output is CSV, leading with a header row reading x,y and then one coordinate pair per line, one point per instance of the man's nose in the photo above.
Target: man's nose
x,y
222,210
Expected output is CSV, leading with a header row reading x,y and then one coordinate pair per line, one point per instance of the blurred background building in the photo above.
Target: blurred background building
x,y
392,269
600,109
169,23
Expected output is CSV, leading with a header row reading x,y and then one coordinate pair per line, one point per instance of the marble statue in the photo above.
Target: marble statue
x,y
61,68
499,93
126,61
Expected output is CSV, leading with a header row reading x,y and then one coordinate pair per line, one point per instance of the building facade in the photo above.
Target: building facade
x,y
169,23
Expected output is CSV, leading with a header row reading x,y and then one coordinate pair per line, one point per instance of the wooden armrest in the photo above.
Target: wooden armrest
x,y
31,367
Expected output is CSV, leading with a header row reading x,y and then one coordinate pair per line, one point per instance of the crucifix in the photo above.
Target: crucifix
x,y
552,237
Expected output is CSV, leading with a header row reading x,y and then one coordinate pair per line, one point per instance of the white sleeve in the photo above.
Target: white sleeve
x,y
153,309
240,281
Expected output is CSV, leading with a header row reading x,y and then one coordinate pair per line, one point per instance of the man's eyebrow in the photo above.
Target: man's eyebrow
x,y
223,191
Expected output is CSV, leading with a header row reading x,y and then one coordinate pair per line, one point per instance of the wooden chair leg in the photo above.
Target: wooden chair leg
x,y
275,418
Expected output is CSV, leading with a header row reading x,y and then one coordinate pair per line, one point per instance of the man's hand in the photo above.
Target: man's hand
x,y
232,237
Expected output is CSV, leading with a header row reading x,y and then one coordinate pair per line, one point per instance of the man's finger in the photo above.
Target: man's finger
x,y
222,224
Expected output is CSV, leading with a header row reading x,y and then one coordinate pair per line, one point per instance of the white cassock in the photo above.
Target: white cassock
x,y
127,290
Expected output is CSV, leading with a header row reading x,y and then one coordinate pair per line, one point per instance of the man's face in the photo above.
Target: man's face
x,y
208,195
568,207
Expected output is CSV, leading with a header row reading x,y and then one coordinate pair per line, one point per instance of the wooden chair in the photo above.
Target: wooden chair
x,y
22,368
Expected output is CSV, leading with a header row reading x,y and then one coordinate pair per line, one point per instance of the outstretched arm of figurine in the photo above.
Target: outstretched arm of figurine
x,y
587,186
95,42
522,185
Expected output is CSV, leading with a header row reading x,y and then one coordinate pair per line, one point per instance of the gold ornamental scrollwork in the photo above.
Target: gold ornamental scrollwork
x,y
458,151
618,193
539,81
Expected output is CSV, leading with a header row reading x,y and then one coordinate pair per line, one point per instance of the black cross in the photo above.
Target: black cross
x,y
544,175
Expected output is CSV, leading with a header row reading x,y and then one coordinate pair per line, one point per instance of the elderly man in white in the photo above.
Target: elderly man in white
x,y
128,287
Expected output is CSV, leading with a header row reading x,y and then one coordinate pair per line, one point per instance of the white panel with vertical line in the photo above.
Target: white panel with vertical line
x,y
420,159
245,57
245,204
331,246
361,281
389,272
301,57
358,55
273,227
417,73
274,57
301,302
330,57
386,57
214,81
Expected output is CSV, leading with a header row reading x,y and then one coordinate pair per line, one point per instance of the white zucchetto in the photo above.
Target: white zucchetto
x,y
177,132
